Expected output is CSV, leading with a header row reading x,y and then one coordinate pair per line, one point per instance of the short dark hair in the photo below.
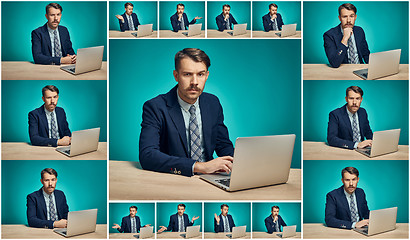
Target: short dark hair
x,y
274,207
224,205
225,5
53,5
49,171
347,6
50,88
134,207
128,4
355,89
181,205
351,170
197,55
273,5
180,4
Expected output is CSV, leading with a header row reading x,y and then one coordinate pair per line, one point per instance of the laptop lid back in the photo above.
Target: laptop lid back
x,y
382,220
385,142
144,30
194,29
89,59
288,30
383,64
192,231
84,141
80,222
146,232
238,232
239,29
289,231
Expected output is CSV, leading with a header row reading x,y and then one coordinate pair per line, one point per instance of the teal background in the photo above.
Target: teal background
x,y
241,11
290,213
385,183
241,214
146,212
84,184
85,104
192,10
166,209
85,21
260,95
386,26
290,12
386,103
146,12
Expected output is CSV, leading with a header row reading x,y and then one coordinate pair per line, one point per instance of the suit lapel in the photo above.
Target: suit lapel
x,y
129,224
42,202
47,38
347,121
358,203
59,120
206,124
361,124
344,202
222,222
357,43
176,115
43,119
61,41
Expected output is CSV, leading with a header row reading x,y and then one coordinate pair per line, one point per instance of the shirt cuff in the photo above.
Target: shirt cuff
x,y
193,167
354,224
355,145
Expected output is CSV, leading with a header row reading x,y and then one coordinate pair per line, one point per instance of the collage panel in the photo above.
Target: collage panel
x,y
82,49
161,166
79,195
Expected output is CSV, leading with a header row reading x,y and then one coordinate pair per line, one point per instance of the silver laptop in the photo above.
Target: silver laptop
x,y
237,232
380,221
191,231
383,142
83,141
287,30
238,29
88,59
145,232
193,30
288,231
143,30
381,64
79,222
258,161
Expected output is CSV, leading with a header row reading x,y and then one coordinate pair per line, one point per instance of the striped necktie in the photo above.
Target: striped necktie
x,y
57,47
355,128
353,211
53,215
353,56
195,142
54,131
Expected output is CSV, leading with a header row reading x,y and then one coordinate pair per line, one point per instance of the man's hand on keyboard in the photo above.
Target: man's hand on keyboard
x,y
65,141
222,164
365,143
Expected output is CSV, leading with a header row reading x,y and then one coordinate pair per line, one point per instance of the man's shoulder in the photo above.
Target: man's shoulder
x,y
34,194
125,218
40,29
266,15
209,97
359,191
358,29
335,192
333,31
175,15
338,111
36,111
220,16
268,218
158,101
59,193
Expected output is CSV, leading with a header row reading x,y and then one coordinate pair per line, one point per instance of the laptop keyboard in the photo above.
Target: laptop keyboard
x,y
67,151
225,181
71,69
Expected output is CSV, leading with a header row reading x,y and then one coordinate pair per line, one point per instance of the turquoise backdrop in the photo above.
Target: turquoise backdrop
x,y
259,87
290,213
146,212
385,183
289,10
386,103
240,211
241,11
386,25
192,10
146,12
86,22
84,184
85,103
166,209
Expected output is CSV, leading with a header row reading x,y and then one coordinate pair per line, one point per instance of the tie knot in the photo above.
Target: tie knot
x,y
192,109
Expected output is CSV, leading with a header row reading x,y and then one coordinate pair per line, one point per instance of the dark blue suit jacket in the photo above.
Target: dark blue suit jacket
x,y
336,51
176,25
174,224
220,227
339,129
126,224
37,212
41,45
38,127
268,24
125,26
163,142
271,226
220,21
337,212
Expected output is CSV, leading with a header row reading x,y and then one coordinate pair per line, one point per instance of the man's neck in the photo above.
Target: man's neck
x,y
52,27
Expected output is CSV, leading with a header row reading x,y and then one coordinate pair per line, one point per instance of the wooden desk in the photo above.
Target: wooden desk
x,y
23,231
127,34
129,182
25,151
31,71
273,235
222,235
125,236
318,230
212,33
322,151
165,235
345,72
271,34
171,34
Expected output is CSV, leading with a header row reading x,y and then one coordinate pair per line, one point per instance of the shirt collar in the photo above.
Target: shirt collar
x,y
51,31
186,106
46,194
47,112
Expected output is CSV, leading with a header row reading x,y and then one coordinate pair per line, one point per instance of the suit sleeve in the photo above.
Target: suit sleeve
x,y
67,44
191,22
217,227
35,138
335,51
224,145
220,22
269,225
282,222
138,224
266,23
280,21
122,25
332,134
123,226
365,49
175,23
330,214
137,22
367,131
190,223
365,207
64,214
233,223
233,19
66,129
38,56
170,224
32,219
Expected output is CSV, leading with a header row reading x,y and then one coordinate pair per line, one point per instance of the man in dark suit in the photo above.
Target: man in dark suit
x,y
348,126
346,43
225,20
128,20
274,222
130,223
179,20
346,207
179,221
47,207
224,221
181,129
51,43
48,124
273,19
